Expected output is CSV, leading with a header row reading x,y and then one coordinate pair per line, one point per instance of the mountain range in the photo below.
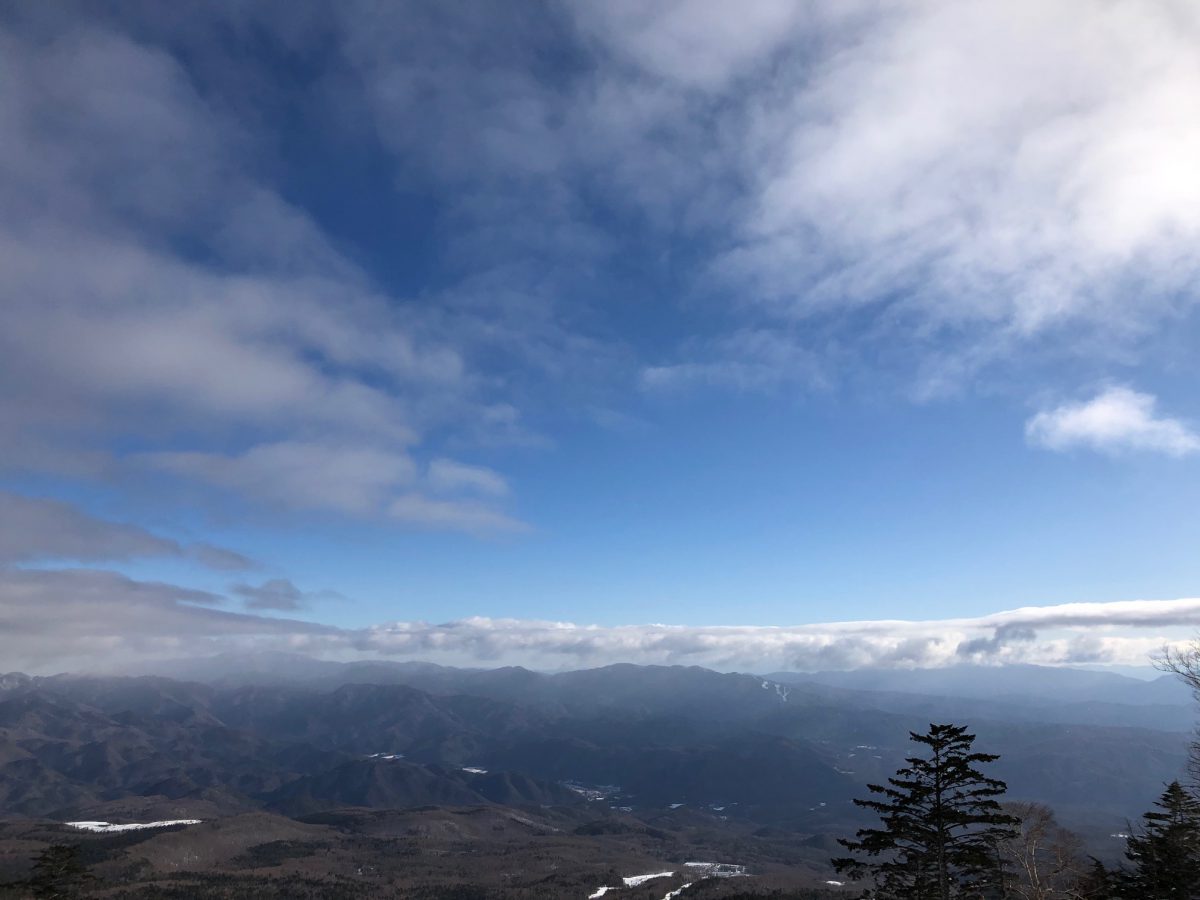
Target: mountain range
x,y
620,749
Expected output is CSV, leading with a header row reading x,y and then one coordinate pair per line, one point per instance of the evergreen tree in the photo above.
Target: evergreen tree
x,y
1097,883
1165,857
58,873
942,826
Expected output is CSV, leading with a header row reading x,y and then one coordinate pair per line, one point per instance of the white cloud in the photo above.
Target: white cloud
x,y
34,528
356,480
280,594
1006,166
952,182
468,516
159,296
1116,419
219,558
938,186
750,359
351,479
1112,633
698,43
451,476
55,620
82,619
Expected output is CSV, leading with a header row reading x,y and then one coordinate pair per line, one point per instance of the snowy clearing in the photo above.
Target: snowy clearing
x,y
635,880
697,871
133,826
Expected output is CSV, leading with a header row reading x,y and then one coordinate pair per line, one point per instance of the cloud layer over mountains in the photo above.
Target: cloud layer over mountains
x,y
85,619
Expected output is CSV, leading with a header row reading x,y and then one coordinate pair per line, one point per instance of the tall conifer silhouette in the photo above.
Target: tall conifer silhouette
x,y
1165,855
942,825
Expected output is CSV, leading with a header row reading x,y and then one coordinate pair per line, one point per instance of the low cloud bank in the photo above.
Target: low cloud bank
x,y
1125,633
87,619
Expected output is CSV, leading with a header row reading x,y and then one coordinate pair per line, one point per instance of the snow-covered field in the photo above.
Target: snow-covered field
x,y
629,881
132,826
699,871
635,880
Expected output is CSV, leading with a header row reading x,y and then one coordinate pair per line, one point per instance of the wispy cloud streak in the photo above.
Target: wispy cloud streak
x,y
35,528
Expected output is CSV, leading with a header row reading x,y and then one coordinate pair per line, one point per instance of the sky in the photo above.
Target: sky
x,y
764,335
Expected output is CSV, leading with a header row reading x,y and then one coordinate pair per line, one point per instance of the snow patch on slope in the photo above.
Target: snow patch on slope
x,y
635,880
782,690
105,827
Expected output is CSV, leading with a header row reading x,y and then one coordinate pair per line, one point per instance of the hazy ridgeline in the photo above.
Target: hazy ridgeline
x,y
289,761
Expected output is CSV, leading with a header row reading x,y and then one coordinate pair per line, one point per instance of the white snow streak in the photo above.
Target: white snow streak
x,y
133,826
635,880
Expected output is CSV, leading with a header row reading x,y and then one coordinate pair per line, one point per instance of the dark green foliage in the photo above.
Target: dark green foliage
x,y
58,874
616,826
800,894
216,887
700,890
101,848
273,853
1165,857
606,826
942,826
1097,883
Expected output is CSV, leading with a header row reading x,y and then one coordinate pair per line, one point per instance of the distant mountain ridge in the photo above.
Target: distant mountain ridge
x,y
1045,683
785,749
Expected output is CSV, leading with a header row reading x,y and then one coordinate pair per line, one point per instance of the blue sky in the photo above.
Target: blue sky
x,y
320,318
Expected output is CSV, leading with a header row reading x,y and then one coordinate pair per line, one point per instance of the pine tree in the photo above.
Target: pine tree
x,y
1097,883
58,873
1165,857
942,825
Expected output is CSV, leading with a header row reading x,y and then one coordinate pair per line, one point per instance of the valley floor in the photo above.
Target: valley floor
x,y
480,853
